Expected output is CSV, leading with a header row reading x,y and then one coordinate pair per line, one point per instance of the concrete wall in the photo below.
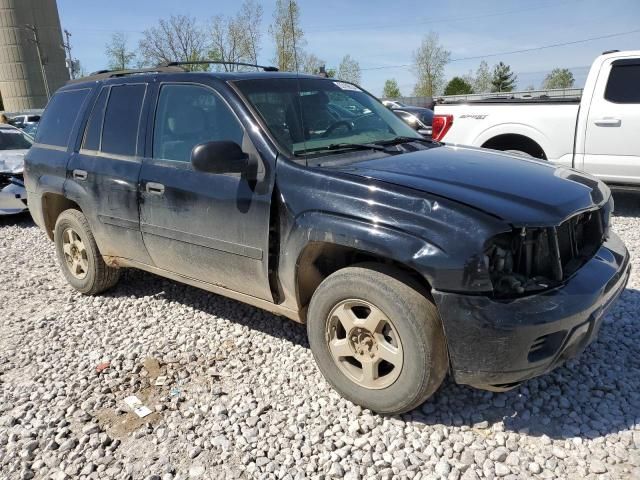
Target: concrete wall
x,y
21,83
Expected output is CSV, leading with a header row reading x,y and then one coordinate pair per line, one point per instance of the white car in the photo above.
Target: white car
x,y
14,144
393,104
598,133
21,121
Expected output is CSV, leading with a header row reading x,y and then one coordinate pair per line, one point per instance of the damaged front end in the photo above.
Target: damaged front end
x,y
532,259
13,195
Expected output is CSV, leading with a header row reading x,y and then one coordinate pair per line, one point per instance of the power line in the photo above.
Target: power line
x,y
439,20
524,50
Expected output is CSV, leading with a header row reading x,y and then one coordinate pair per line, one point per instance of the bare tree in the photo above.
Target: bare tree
x,y
287,35
310,63
349,70
227,42
482,82
118,54
429,62
177,39
237,39
251,15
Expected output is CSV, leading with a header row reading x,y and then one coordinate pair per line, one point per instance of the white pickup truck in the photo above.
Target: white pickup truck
x,y
598,133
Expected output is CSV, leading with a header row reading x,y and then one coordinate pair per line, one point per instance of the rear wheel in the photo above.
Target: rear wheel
x,y
377,339
79,257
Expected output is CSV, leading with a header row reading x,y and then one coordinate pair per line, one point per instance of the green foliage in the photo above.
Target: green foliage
x,y
559,78
458,86
429,61
391,89
503,80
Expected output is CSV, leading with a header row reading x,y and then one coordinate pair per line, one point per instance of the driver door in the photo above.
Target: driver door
x,y
209,227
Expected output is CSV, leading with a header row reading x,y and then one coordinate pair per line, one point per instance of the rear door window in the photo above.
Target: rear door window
x,y
122,119
60,116
624,83
94,126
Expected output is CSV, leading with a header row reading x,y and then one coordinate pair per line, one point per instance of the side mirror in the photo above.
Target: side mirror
x,y
219,157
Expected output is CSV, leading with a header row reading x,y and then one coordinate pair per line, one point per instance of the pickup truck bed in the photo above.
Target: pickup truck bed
x,y
597,133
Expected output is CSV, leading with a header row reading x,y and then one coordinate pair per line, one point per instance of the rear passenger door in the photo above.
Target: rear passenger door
x,y
103,176
205,226
612,142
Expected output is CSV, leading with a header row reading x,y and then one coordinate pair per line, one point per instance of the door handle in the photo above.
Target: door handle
x,y
608,122
154,188
80,174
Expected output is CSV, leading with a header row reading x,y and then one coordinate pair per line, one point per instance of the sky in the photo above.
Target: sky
x,y
382,34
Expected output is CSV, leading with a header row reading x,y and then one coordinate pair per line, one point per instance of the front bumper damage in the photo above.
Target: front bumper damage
x,y
496,344
13,195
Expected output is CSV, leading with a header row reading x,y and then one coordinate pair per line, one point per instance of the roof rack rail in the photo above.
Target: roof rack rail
x,y
106,74
606,52
219,62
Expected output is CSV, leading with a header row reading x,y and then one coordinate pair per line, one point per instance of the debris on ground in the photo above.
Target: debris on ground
x,y
101,367
136,406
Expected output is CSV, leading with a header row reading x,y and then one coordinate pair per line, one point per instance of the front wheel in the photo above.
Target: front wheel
x,y
377,339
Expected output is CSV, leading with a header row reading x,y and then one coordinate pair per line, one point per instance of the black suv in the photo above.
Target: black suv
x,y
305,196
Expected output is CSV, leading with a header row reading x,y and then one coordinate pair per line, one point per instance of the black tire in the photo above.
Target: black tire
x,y
416,319
99,276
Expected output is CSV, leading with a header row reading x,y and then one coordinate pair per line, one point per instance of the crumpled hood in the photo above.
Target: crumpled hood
x,y
12,161
521,191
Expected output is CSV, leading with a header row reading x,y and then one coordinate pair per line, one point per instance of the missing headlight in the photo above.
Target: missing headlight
x,y
527,260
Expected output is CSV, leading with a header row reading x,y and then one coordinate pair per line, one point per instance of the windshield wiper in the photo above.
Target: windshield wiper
x,y
346,146
399,140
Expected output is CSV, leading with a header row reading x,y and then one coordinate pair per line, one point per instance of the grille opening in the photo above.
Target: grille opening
x,y
535,259
546,346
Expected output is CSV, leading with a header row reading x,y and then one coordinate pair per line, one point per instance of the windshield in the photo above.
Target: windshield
x,y
14,140
310,115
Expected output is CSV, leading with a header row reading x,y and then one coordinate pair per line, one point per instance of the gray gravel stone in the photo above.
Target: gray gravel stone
x,y
244,398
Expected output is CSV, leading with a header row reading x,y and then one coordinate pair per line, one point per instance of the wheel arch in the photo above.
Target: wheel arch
x,y
321,244
514,137
53,204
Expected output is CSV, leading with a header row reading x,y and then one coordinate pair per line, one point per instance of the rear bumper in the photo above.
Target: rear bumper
x,y
13,199
497,344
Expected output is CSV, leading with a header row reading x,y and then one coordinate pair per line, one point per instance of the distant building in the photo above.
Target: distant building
x,y
21,80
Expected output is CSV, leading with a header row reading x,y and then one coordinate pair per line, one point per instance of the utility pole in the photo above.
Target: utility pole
x,y
36,40
67,48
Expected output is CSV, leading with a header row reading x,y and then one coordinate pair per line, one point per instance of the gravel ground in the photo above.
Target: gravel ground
x,y
244,398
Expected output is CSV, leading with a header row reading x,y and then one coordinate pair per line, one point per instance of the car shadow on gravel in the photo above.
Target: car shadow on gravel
x,y
139,283
22,220
591,396
627,204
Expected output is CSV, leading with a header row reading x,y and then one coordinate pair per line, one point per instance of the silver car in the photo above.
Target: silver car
x,y
14,144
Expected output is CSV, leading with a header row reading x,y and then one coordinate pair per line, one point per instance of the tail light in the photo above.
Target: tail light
x,y
441,125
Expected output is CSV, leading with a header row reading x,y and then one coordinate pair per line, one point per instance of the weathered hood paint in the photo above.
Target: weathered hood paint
x,y
12,161
518,190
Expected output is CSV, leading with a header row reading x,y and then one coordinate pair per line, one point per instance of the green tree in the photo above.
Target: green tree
x,y
503,80
458,86
429,61
118,53
559,78
391,89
